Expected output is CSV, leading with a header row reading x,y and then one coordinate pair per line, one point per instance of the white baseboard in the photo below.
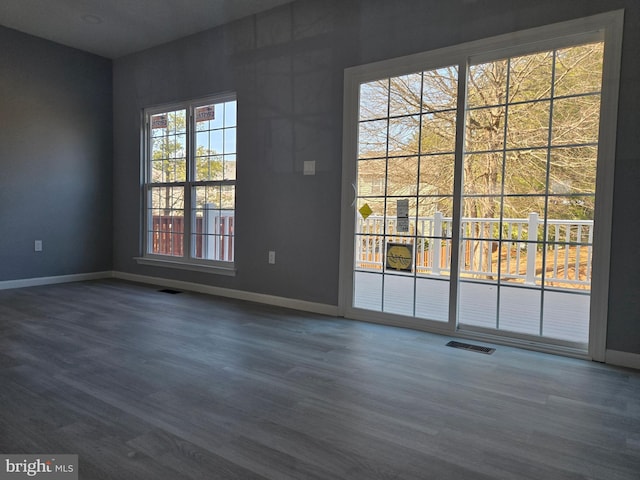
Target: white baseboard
x,y
623,359
36,282
294,304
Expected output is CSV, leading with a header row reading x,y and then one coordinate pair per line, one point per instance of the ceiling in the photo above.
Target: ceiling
x,y
113,28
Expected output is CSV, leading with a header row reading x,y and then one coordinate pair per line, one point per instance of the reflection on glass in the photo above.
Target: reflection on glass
x,y
525,173
573,170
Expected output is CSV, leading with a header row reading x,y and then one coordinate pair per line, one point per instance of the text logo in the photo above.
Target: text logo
x,y
49,467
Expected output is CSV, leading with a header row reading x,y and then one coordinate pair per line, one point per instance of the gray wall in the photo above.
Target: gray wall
x,y
55,158
287,68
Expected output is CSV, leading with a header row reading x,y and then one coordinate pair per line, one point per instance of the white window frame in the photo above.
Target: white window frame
x,y
609,25
187,261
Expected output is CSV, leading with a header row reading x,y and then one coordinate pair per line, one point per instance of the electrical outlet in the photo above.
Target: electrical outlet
x,y
37,245
272,257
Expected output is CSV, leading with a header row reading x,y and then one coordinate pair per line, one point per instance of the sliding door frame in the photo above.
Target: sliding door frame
x,y
610,25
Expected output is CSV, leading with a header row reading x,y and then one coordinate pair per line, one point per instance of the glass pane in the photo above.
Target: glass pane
x,y
230,113
371,177
571,207
438,132
566,316
433,256
478,304
483,174
436,174
405,94
374,100
166,220
568,266
373,208
528,125
485,129
228,197
167,198
525,172
526,209
168,147
440,89
394,227
479,259
398,294
369,249
207,195
530,77
481,217
216,142
372,139
514,258
432,299
573,170
209,168
487,84
403,135
579,69
520,310
367,291
229,167
576,120
229,140
434,216
402,176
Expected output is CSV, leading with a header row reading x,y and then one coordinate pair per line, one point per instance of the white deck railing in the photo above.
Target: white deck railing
x,y
567,256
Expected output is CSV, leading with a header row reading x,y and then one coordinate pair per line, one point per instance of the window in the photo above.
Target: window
x,y
475,171
190,184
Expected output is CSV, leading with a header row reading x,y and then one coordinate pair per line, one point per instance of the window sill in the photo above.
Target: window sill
x,y
229,271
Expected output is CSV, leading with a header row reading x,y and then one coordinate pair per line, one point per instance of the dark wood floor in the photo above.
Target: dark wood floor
x,y
147,385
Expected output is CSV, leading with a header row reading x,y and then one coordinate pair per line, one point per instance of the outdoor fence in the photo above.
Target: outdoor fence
x,y
212,235
515,248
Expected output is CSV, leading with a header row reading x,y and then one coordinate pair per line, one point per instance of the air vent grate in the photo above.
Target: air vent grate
x,y
473,348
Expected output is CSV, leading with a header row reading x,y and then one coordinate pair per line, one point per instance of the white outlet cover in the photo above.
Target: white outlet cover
x,y
309,167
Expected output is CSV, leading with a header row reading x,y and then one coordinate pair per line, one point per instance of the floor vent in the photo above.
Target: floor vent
x,y
170,291
473,348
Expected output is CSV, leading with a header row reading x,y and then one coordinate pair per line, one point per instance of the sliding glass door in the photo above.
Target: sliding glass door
x,y
475,189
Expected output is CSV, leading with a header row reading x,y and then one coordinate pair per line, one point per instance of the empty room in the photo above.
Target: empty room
x,y
320,239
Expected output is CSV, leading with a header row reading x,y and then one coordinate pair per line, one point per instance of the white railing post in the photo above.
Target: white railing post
x,y
437,242
210,223
532,247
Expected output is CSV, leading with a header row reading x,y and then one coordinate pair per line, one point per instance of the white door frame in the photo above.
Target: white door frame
x,y
610,24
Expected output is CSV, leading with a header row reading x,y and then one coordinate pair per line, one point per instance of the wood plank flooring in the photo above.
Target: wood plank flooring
x,y
147,385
